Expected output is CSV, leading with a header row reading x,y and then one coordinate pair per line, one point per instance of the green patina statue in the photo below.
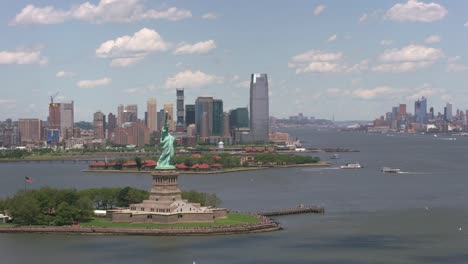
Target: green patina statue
x,y
166,160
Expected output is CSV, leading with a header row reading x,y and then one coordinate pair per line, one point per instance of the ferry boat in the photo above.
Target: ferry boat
x,y
390,170
351,166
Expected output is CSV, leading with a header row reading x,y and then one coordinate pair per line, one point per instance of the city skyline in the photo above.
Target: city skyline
x,y
328,56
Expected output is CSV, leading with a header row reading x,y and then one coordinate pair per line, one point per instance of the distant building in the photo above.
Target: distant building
x,y
420,110
218,117
226,128
120,111
111,125
66,118
189,114
239,118
30,130
160,119
152,115
449,113
259,108
54,116
180,122
130,113
401,112
204,116
99,122
132,134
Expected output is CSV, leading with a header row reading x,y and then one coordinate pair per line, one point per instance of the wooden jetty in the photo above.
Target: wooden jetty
x,y
296,210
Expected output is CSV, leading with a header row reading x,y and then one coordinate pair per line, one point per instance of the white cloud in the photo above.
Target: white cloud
x,y
106,11
199,47
433,39
407,59
319,9
373,93
244,84
363,18
456,67
415,11
316,61
63,74
94,83
359,67
466,25
189,79
128,50
7,101
332,38
210,16
124,62
426,90
453,59
22,57
387,42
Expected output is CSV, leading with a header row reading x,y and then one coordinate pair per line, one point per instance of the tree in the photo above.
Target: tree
x,y
66,214
138,162
24,209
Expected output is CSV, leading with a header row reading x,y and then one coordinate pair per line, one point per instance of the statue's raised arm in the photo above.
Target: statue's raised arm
x,y
166,160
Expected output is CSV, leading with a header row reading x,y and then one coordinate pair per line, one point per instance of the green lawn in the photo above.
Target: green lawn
x,y
6,225
232,219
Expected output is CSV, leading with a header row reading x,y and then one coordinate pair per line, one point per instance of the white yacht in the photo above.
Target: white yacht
x,y
351,166
390,170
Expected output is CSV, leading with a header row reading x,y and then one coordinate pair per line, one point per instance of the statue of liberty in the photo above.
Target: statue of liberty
x,y
166,160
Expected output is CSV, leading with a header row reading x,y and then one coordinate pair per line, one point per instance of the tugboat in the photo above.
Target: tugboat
x,y
390,170
351,166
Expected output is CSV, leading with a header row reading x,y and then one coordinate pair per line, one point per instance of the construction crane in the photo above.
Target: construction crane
x,y
52,98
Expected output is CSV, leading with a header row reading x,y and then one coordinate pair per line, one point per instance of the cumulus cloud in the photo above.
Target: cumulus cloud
x,y
414,11
63,74
22,57
363,18
199,47
466,25
332,38
407,59
456,67
7,101
128,50
316,61
433,39
319,9
189,79
373,93
106,11
210,16
94,83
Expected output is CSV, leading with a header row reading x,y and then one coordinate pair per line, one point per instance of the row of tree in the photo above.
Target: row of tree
x,y
51,206
282,159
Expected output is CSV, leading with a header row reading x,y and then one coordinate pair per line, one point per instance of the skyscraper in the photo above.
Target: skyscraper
x,y
239,118
401,112
420,110
189,114
130,113
218,117
180,107
54,116
449,115
120,110
99,122
111,125
204,105
226,128
160,119
152,115
66,118
169,109
30,130
259,108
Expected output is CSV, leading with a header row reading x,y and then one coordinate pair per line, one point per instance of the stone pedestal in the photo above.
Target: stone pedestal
x,y
165,186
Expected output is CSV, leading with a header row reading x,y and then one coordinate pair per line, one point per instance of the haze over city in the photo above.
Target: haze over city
x,y
321,56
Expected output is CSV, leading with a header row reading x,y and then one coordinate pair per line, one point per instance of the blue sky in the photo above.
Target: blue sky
x,y
350,59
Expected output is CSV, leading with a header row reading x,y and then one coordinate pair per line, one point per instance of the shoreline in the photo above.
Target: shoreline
x,y
239,169
262,227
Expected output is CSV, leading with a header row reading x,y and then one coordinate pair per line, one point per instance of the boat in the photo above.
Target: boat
x,y
390,170
334,156
351,166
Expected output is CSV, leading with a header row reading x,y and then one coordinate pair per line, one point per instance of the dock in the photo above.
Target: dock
x,y
296,210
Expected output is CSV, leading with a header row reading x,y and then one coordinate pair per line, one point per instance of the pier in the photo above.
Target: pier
x,y
296,210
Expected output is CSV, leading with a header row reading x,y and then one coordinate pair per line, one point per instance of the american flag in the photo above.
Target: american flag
x,y
28,180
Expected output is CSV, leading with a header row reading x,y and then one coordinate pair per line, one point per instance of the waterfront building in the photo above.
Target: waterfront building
x,y
239,118
401,112
130,113
66,118
169,110
218,116
204,116
120,110
420,110
259,108
135,133
99,122
152,115
30,130
180,122
189,114
111,125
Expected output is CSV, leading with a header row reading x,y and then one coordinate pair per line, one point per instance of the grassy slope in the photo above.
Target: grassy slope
x,y
232,219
